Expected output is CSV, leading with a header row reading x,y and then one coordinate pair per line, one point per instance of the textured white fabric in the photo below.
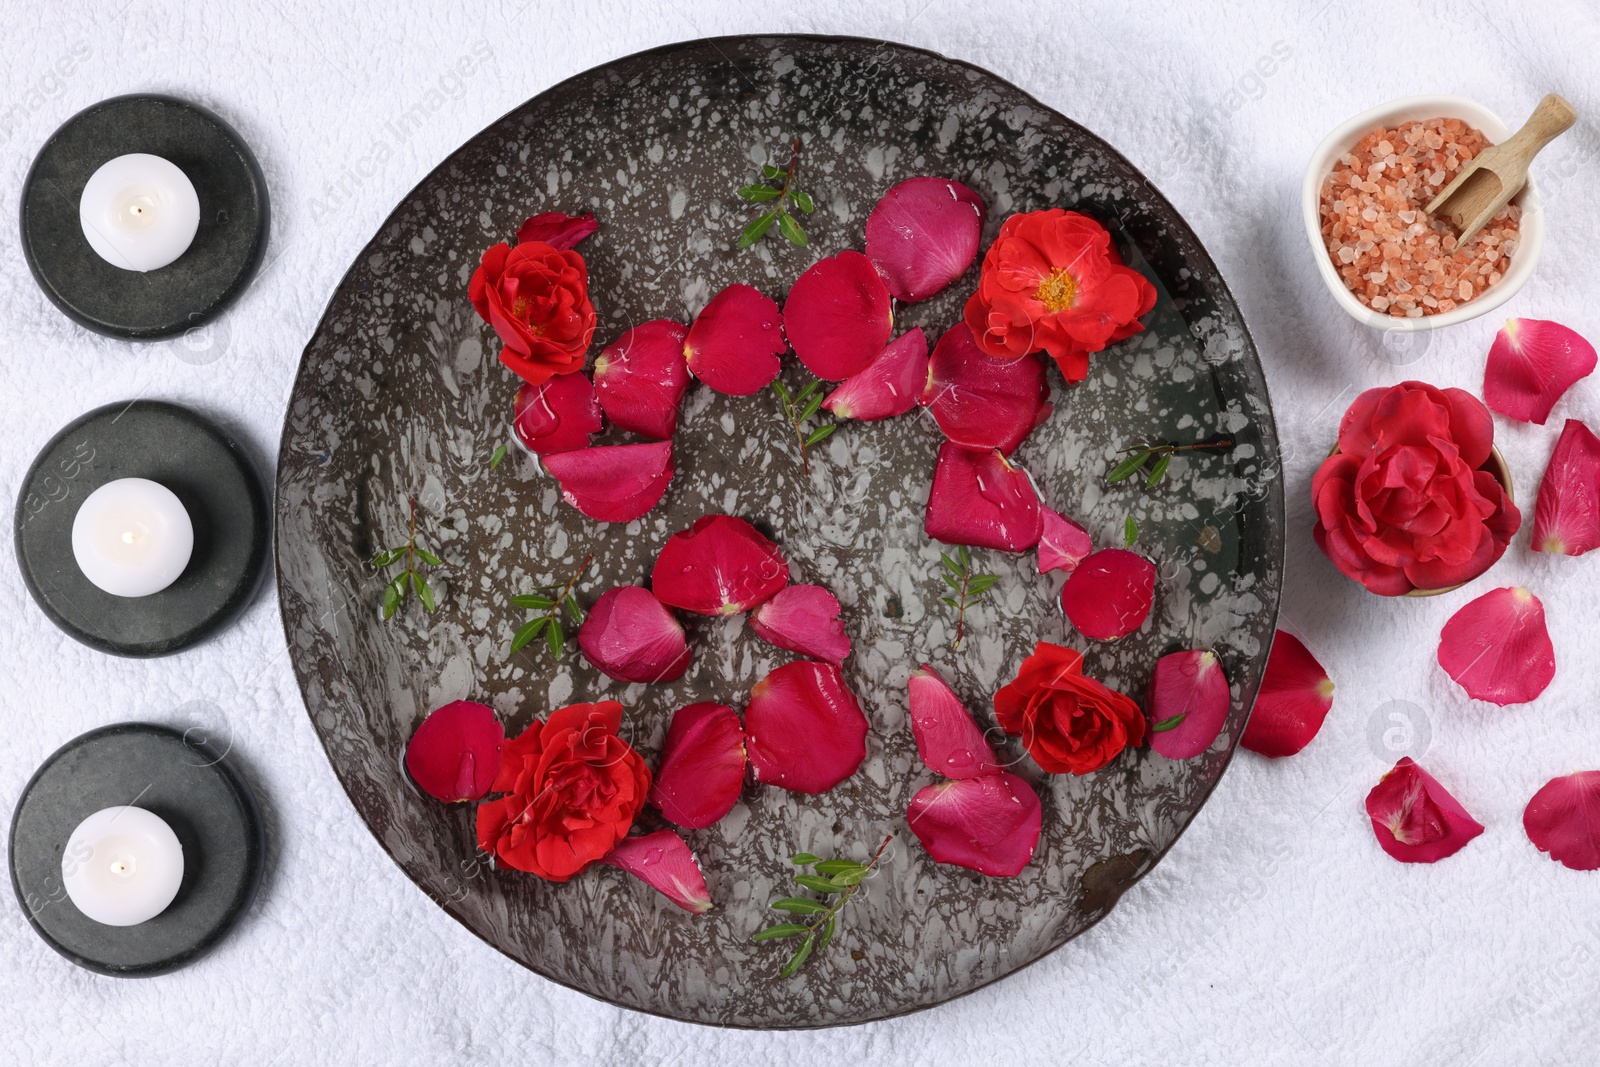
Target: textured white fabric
x,y
1275,931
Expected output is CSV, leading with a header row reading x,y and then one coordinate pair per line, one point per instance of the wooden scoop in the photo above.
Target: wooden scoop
x,y
1500,171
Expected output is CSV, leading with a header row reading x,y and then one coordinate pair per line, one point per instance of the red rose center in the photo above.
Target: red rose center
x,y
1057,291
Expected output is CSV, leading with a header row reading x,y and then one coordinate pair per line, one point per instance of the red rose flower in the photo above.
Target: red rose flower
x,y
573,788
1052,280
1069,723
536,297
1404,504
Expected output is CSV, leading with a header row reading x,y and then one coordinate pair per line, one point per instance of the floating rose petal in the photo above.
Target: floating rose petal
x,y
1109,594
455,753
719,566
1531,363
1188,691
632,637
837,316
557,230
1063,544
1498,649
980,499
613,483
640,378
557,416
663,862
803,619
1567,517
1415,818
891,385
702,765
948,738
804,728
989,824
1295,696
983,402
1563,819
735,342
923,235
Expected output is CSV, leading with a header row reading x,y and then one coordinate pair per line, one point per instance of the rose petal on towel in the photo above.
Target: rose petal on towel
x,y
803,619
1063,544
663,862
1567,518
735,342
804,729
1498,649
988,824
1563,819
702,766
1109,594
1531,363
948,738
837,316
923,235
561,232
981,402
613,483
981,499
719,566
641,377
891,385
1416,820
1187,703
632,637
557,416
1295,696
455,753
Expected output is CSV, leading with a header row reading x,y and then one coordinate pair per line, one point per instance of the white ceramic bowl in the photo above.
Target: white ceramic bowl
x,y
1411,109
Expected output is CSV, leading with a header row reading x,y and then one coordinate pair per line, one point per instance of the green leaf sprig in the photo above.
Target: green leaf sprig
x,y
1153,460
778,189
498,457
969,588
798,409
816,920
1130,532
550,609
408,580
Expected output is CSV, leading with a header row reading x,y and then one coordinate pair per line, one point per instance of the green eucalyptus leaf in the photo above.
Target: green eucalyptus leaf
x,y
555,637
831,867
425,593
846,879
1130,532
533,602
391,600
498,456
820,434
574,612
964,556
802,201
1169,724
791,229
1128,467
803,858
526,633
951,581
782,391
798,960
757,229
427,556
811,407
799,906
769,171
827,932
982,583
759,193
821,885
951,602
1159,470
773,933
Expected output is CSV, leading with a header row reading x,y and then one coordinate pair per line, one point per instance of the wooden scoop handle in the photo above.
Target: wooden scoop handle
x,y
1553,117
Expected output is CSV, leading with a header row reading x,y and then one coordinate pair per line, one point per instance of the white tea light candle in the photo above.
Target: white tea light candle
x,y
139,212
122,866
132,537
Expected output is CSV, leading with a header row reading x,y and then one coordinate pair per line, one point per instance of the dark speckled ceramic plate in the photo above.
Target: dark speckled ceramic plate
x,y
400,395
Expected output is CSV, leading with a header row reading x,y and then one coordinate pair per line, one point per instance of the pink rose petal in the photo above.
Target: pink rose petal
x,y
1295,696
988,824
663,862
557,416
948,738
632,637
1531,363
1498,649
981,499
1563,819
837,316
702,766
559,231
455,753
803,619
1188,687
891,385
981,402
719,566
923,235
735,342
1109,594
1567,518
641,376
804,728
1063,544
1416,820
613,483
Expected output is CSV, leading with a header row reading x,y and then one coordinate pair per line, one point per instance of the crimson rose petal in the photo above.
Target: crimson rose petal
x,y
988,824
923,235
1063,544
663,862
1531,363
1109,594
641,376
702,765
1295,696
804,728
719,566
557,230
948,738
613,483
979,401
1416,820
455,753
837,316
632,637
1563,819
980,499
557,416
735,342
1498,649
891,385
803,619
1567,517
1189,687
